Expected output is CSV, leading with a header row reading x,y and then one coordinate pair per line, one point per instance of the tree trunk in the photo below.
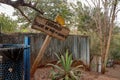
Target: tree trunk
x,y
105,55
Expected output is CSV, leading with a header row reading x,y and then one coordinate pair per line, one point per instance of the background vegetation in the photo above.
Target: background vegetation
x,y
7,25
92,20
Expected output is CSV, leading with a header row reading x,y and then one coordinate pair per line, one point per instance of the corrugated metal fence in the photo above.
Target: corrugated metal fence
x,y
76,44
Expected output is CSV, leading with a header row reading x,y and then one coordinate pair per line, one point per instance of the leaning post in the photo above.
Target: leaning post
x,y
52,29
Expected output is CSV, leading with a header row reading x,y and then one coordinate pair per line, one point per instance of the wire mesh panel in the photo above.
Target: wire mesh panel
x,y
11,64
16,58
13,70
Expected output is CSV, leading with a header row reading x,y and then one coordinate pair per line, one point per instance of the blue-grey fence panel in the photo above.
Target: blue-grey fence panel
x,y
78,45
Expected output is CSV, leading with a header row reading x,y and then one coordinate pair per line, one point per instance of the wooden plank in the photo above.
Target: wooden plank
x,y
40,55
1,58
50,27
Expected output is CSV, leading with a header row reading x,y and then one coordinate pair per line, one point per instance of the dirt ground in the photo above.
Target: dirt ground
x,y
111,74
114,72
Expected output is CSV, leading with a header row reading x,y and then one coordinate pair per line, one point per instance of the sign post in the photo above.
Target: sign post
x,y
52,29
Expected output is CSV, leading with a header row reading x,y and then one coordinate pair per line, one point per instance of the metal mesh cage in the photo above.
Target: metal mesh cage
x,y
13,70
11,65
15,63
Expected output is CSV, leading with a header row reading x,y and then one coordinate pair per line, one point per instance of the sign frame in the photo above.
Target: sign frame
x,y
50,27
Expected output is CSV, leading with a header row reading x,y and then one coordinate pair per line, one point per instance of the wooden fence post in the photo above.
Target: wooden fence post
x,y
40,55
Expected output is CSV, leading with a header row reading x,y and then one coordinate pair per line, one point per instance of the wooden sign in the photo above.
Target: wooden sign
x,y
50,27
53,29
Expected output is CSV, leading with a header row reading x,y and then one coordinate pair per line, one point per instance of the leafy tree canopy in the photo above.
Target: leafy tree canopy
x,y
7,25
50,8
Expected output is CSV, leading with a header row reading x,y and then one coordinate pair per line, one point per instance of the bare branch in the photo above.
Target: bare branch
x,y
35,4
24,14
88,3
111,11
117,11
18,3
114,11
93,1
33,7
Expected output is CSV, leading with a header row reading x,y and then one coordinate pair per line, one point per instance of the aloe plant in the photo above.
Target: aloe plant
x,y
65,71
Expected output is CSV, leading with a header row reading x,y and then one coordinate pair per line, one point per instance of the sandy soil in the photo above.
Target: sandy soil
x,y
111,74
114,72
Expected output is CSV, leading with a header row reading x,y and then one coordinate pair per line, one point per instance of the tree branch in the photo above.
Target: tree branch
x,y
18,3
24,14
33,7
88,3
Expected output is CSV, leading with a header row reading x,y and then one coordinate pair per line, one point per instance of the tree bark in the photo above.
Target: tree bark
x,y
105,56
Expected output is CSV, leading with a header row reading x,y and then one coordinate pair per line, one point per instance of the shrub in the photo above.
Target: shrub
x,y
65,71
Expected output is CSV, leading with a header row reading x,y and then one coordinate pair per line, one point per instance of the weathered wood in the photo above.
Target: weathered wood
x,y
40,55
50,27
1,58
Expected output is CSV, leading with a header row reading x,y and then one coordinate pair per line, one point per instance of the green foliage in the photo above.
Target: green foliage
x,y
86,25
53,7
65,71
82,17
94,45
50,8
7,25
115,44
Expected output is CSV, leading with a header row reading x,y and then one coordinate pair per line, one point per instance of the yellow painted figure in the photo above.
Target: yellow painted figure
x,y
59,19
